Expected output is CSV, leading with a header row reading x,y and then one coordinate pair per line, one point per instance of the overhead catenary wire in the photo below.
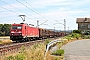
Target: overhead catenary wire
x,y
9,10
31,9
15,8
24,5
34,8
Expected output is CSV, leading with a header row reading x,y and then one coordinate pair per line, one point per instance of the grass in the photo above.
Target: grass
x,y
47,41
35,52
4,36
86,37
58,52
53,57
5,41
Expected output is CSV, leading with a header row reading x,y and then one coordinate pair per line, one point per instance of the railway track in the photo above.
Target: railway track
x,y
15,47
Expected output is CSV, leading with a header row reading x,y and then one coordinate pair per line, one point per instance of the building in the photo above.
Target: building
x,y
83,24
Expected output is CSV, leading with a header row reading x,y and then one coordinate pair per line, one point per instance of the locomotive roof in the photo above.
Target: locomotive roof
x,y
20,23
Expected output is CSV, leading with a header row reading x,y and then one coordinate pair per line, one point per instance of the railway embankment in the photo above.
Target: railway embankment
x,y
29,51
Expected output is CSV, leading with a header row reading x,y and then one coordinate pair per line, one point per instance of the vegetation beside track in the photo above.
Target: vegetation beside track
x,y
36,52
5,41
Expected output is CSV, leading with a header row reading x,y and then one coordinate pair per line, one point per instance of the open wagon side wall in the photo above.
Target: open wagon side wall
x,y
43,33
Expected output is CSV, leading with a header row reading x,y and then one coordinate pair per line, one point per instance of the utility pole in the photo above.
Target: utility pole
x,y
54,30
37,23
64,25
68,28
23,17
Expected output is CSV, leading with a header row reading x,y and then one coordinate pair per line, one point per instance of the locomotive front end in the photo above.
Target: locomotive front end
x,y
16,32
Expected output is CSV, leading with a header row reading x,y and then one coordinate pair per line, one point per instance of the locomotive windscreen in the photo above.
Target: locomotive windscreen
x,y
16,27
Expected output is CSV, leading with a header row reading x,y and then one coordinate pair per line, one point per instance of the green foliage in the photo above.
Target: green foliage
x,y
35,46
20,57
10,58
23,49
58,52
87,32
68,37
73,35
86,37
56,58
47,41
77,31
17,57
76,35
5,29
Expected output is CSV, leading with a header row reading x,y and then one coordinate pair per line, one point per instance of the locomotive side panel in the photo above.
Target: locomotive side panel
x,y
33,32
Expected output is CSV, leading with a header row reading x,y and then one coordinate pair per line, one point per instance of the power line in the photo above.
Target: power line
x,y
13,6
33,7
8,10
30,9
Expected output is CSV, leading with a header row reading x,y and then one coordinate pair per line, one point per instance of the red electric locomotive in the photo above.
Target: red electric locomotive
x,y
23,32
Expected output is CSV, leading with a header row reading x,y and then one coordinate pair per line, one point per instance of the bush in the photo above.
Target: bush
x,y
73,35
76,35
87,32
86,37
68,37
58,52
77,31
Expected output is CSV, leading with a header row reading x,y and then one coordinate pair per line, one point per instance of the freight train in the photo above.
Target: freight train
x,y
24,32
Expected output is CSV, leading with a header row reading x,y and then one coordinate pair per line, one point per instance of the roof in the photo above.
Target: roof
x,y
83,20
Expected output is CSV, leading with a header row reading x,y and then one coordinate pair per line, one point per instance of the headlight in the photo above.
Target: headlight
x,y
11,34
20,34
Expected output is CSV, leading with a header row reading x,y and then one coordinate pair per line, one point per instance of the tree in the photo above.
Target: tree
x,y
5,29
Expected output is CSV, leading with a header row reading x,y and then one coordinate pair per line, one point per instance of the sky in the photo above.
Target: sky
x,y
50,13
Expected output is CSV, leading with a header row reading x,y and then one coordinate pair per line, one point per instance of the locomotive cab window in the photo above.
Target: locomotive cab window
x,y
19,27
16,27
